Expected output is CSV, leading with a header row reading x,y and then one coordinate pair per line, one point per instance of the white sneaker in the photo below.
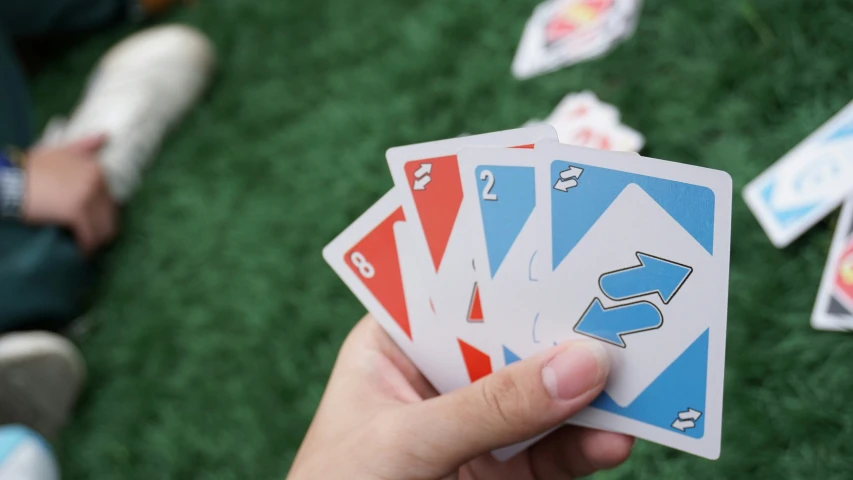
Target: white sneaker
x,y
41,375
141,88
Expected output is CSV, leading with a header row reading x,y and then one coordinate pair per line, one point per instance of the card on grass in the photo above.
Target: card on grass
x,y
833,309
427,175
564,32
600,134
583,120
807,183
575,106
637,256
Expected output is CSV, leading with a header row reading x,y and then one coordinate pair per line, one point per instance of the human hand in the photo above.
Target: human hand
x,y
379,417
65,186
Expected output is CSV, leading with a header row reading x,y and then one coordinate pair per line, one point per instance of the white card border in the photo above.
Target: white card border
x,y
721,184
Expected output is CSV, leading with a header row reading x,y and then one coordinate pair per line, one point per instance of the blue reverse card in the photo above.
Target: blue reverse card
x,y
638,253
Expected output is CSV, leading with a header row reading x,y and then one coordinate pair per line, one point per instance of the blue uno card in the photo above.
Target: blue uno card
x,y
637,257
807,183
502,225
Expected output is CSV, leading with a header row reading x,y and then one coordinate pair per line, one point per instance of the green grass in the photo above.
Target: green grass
x,y
218,322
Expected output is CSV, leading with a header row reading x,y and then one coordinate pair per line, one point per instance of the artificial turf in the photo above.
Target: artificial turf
x,y
217,321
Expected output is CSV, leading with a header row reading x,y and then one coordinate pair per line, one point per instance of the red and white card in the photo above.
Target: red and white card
x,y
375,259
833,309
427,177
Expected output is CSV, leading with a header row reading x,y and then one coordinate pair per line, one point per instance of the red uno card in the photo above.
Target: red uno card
x,y
374,258
833,308
427,177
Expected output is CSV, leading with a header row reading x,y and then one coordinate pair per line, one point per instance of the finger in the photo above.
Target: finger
x,y
90,144
387,346
84,233
576,452
519,402
105,215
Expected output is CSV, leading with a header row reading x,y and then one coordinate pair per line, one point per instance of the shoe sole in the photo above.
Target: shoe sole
x,y
41,375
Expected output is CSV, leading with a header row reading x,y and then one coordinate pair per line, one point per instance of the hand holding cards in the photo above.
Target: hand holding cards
x,y
483,255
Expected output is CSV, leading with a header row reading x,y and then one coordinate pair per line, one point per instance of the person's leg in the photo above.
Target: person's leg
x,y
141,88
15,111
39,17
43,275
45,279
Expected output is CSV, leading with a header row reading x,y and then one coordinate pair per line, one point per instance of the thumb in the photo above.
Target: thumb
x,y
90,144
515,404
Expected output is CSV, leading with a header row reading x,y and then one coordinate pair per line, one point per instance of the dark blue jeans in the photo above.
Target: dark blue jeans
x,y
44,279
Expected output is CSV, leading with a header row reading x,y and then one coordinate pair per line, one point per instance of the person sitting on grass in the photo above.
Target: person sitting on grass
x,y
60,199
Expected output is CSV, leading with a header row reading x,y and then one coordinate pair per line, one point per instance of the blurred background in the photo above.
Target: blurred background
x,y
217,321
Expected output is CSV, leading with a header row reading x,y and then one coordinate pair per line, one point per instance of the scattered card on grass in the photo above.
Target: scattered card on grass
x,y
564,32
576,106
807,183
583,120
833,309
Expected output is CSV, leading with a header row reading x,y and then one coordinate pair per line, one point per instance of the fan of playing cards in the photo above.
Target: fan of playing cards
x,y
491,248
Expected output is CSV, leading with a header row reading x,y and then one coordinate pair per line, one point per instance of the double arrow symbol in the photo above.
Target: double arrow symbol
x,y
654,275
686,420
609,324
422,177
568,179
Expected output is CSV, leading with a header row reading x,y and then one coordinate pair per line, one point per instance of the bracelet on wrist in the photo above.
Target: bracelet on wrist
x,y
12,185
